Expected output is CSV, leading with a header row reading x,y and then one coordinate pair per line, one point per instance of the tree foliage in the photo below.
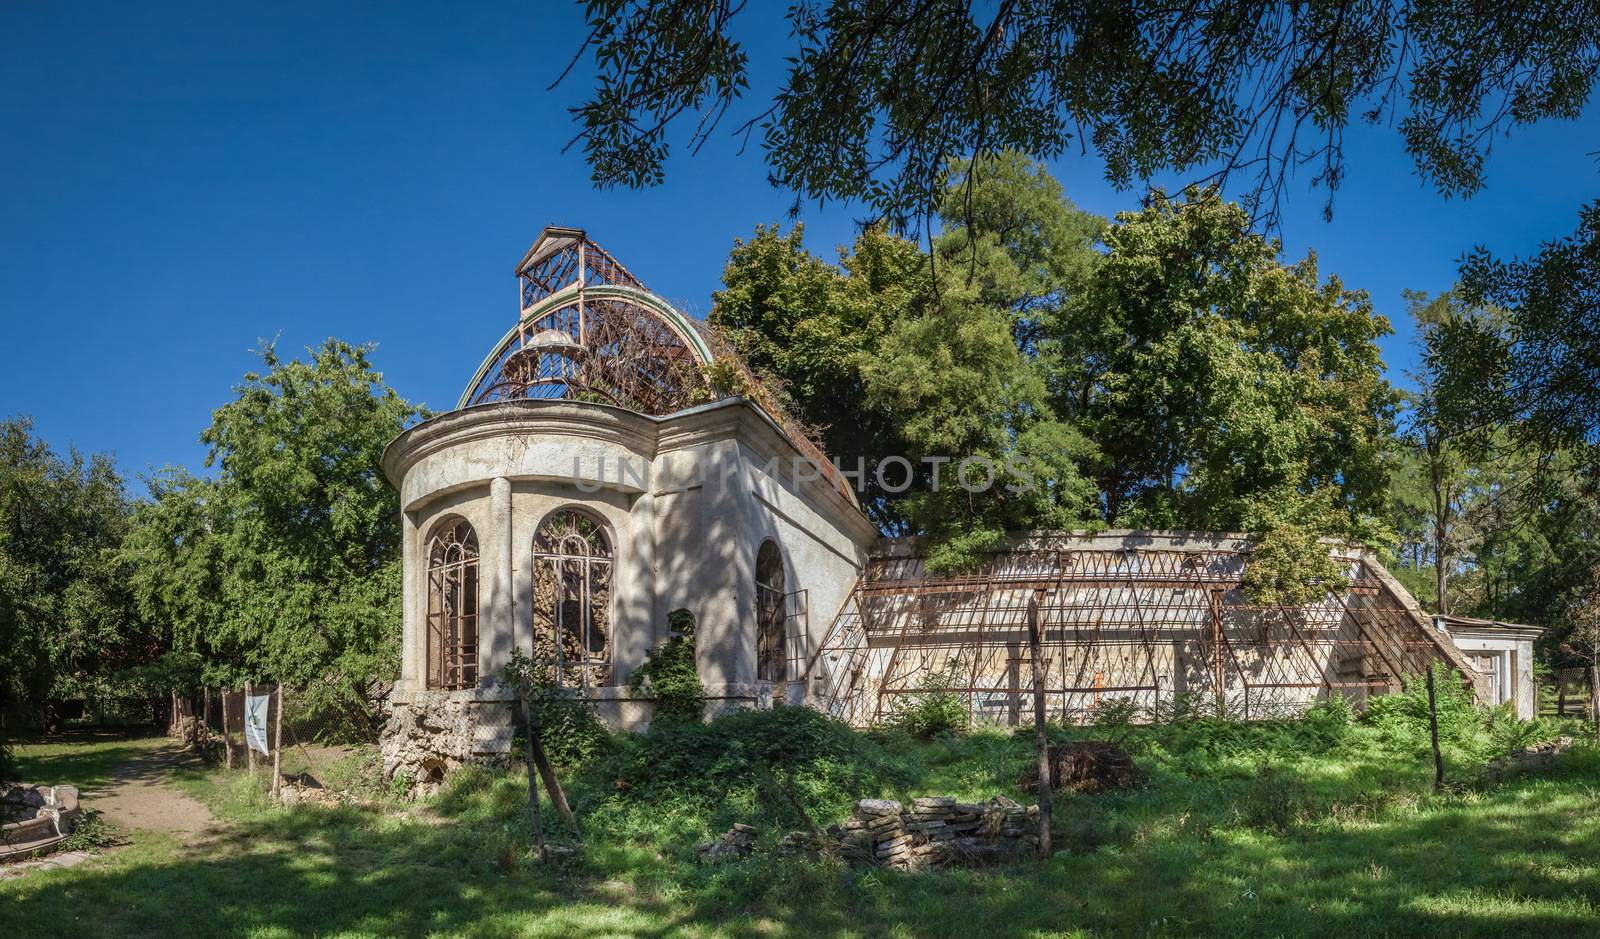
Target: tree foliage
x,y
285,566
879,95
1164,370
66,618
1533,367
1222,387
63,601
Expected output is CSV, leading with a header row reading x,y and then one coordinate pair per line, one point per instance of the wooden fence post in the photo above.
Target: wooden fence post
x,y
249,751
227,733
1594,698
1041,740
1433,734
277,743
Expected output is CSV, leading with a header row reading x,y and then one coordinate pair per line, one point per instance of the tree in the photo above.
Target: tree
x,y
1509,366
1533,368
67,623
1583,638
1442,489
880,95
808,327
1223,389
286,566
894,357
1179,377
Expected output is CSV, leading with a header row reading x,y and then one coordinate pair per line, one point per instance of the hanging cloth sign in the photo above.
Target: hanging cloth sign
x,y
255,721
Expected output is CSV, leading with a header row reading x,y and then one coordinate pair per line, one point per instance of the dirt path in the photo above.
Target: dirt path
x,y
138,796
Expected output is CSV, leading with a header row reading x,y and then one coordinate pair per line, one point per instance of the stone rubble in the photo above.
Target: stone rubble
x,y
1534,758
737,842
934,831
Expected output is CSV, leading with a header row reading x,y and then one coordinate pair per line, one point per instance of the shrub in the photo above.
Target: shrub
x,y
568,726
670,676
1328,721
1404,716
1506,732
789,761
933,709
91,833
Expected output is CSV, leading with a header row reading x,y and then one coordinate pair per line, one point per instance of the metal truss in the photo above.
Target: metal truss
x,y
1153,622
589,331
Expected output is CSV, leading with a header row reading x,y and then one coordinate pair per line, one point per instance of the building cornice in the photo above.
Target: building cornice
x,y
732,418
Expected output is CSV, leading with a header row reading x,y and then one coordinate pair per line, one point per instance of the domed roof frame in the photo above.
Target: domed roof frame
x,y
588,328
590,331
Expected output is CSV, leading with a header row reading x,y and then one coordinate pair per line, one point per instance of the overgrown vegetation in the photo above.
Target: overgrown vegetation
x,y
933,708
1323,825
1044,369
669,675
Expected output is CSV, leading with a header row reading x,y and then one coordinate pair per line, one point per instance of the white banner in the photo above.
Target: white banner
x,y
255,721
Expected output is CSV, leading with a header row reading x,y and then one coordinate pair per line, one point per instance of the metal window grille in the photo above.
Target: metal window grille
x,y
453,607
572,599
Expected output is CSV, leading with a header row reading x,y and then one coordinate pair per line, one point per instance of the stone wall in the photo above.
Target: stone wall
x,y
431,733
934,832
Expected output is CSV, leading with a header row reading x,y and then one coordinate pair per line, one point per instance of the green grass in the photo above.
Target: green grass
x,y
1243,830
86,759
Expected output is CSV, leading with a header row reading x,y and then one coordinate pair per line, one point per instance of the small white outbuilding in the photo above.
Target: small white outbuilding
x,y
1503,654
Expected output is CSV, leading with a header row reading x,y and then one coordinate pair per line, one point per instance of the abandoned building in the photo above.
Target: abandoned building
x,y
610,462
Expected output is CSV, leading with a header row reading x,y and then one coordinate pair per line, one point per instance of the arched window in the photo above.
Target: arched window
x,y
771,659
572,599
453,606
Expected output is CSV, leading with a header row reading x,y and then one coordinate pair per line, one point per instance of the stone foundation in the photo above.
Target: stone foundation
x,y
429,734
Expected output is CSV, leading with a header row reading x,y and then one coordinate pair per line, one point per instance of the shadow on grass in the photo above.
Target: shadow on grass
x,y
1300,849
88,759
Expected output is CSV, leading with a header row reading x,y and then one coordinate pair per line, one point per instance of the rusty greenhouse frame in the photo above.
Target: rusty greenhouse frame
x,y
1156,623
589,330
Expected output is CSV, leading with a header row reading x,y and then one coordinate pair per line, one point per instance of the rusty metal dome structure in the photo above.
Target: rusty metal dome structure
x,y
590,331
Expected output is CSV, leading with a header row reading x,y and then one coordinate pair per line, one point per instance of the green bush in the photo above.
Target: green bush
x,y
569,728
90,834
790,763
933,709
670,677
1404,716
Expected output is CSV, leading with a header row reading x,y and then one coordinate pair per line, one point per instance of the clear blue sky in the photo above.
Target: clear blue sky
x,y
181,179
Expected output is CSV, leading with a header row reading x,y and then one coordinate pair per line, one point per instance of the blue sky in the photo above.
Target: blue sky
x,y
182,179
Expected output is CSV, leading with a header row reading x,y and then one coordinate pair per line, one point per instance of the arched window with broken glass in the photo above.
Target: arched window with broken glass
x,y
572,561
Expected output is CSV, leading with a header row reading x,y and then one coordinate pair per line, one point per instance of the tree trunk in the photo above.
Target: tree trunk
x,y
1594,698
227,734
1041,740
1433,734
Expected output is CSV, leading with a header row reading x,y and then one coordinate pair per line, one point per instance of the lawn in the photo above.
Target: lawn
x,y
1279,829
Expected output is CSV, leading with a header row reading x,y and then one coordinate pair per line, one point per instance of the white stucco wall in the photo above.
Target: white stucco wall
x,y
1513,647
